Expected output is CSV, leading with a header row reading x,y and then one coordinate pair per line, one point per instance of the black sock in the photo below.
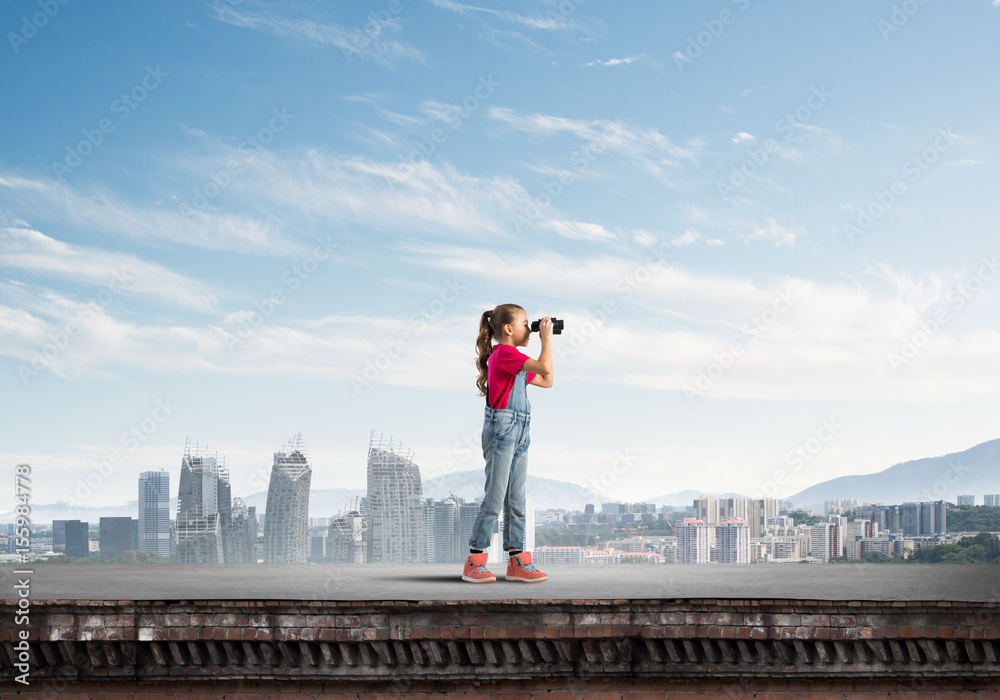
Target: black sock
x,y
514,552
475,551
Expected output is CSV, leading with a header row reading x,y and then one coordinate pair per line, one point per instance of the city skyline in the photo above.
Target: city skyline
x,y
245,220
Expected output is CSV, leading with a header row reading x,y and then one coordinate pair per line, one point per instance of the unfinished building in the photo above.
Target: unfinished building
x,y
347,543
241,544
286,519
396,530
204,508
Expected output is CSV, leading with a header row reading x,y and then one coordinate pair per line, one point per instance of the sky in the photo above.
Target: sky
x,y
770,229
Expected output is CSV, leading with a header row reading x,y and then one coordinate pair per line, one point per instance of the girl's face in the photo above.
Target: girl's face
x,y
520,330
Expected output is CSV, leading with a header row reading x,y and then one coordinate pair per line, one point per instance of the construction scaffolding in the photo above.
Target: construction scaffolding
x,y
346,543
286,519
395,509
204,507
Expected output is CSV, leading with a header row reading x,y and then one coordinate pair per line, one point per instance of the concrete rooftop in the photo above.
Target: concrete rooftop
x,y
413,582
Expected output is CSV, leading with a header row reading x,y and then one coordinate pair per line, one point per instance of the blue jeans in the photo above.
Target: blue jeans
x,y
505,447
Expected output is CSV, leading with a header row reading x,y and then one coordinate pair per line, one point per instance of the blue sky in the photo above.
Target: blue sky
x,y
770,228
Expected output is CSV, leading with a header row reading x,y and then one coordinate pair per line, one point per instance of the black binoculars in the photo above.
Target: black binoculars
x,y
557,325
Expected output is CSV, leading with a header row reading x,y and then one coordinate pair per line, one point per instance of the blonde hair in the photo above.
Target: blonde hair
x,y
491,325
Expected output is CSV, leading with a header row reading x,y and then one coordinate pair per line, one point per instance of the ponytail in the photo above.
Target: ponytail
x,y
491,325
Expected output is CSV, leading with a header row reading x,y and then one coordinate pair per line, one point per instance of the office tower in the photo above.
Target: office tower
x,y
968,500
760,511
241,544
154,512
825,542
923,518
287,524
396,532
442,529
467,513
117,535
692,542
58,536
317,545
732,542
204,508
346,543
75,536
588,509
991,499
706,509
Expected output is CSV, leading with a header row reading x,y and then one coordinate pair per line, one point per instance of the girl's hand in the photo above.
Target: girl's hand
x,y
545,329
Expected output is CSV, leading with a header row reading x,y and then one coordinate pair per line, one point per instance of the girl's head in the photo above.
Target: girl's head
x,y
508,325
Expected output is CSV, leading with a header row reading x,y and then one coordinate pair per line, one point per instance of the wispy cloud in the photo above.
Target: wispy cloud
x,y
551,22
368,42
29,250
614,61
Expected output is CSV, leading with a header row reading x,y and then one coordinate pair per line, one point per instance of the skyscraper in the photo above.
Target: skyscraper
x,y
75,536
396,530
241,542
154,512
924,518
117,535
204,507
732,539
692,542
286,524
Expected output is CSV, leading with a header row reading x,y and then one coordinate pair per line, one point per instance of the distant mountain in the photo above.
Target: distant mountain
x,y
975,471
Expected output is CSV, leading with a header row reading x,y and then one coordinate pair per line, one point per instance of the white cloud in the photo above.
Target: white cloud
x,y
579,230
614,61
743,137
26,249
367,42
551,22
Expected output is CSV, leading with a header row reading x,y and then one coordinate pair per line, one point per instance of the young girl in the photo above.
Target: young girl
x,y
504,373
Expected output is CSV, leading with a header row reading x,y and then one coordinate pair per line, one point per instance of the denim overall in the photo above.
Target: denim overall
x,y
505,448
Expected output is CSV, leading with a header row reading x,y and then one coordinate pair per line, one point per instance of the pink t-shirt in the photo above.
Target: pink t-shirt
x,y
505,361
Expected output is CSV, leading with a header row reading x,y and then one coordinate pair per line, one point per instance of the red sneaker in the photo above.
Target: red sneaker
x,y
520,568
476,571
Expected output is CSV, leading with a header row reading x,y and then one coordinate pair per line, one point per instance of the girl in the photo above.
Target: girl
x,y
505,436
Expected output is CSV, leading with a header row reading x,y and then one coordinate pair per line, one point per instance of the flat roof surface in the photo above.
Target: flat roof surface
x,y
421,582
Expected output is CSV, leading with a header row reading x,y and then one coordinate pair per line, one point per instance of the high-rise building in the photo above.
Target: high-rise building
x,y
396,529
825,541
154,512
706,509
117,535
734,508
467,513
317,544
991,499
760,511
241,543
287,524
967,500
204,508
885,517
692,542
442,528
75,537
346,543
732,542
924,518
